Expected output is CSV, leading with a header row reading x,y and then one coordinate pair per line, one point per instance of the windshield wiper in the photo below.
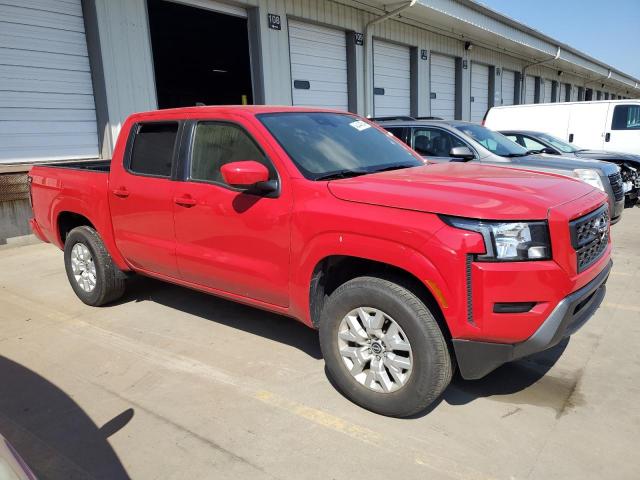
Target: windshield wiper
x,y
341,174
394,167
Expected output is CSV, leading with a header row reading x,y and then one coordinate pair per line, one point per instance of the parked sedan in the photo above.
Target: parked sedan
x,y
458,141
548,144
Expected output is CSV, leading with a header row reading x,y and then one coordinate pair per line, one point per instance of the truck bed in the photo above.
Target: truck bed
x,y
94,165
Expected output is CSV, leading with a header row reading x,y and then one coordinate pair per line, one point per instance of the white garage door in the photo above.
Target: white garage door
x,y
563,92
530,90
574,93
318,66
479,91
391,79
546,96
47,109
443,86
508,87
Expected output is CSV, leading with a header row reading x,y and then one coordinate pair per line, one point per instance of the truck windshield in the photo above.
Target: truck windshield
x,y
559,144
495,142
327,145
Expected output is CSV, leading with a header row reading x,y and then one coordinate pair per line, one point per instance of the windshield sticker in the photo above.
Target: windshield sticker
x,y
360,125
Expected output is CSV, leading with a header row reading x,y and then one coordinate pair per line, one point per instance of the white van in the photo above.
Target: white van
x,y
604,125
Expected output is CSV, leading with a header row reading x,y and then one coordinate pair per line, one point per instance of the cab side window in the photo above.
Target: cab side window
x,y
152,150
531,144
216,144
626,117
434,142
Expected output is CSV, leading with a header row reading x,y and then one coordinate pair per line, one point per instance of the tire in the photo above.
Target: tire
x,y
106,283
431,365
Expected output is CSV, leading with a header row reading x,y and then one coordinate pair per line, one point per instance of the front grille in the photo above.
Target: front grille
x,y
590,236
616,185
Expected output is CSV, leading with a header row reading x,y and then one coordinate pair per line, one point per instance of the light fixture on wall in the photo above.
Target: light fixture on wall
x,y
468,46
560,73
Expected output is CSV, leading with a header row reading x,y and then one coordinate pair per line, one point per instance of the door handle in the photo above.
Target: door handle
x,y
121,192
607,137
185,201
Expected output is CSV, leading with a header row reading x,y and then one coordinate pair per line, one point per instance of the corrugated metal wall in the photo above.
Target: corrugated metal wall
x,y
47,109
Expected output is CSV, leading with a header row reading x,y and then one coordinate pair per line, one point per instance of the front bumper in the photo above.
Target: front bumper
x,y
476,358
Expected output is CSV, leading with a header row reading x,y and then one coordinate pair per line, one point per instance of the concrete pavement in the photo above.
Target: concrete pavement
x,y
174,384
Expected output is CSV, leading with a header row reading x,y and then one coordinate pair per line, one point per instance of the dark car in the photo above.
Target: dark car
x,y
458,141
548,144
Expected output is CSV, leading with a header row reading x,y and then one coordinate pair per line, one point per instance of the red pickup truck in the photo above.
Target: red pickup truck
x,y
408,269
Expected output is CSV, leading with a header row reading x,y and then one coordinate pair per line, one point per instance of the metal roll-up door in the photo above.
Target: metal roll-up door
x,y
443,86
574,93
546,96
391,79
318,66
508,87
479,91
563,92
47,110
530,90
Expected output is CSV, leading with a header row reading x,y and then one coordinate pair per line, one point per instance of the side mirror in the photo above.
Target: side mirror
x,y
548,151
244,174
463,153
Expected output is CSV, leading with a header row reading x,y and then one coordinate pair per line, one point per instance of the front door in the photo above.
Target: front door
x,y
228,239
623,132
141,199
435,144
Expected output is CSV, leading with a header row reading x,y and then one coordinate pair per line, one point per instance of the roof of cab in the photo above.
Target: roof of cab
x,y
195,111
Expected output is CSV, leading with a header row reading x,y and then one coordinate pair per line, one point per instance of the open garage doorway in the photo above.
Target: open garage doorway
x,y
200,56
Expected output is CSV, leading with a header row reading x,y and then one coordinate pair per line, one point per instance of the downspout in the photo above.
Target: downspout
x,y
368,80
523,90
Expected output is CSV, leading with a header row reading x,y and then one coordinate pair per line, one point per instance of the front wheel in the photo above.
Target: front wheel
x,y
91,272
383,348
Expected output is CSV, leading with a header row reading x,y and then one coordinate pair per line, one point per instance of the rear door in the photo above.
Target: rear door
x,y
587,123
141,198
391,79
318,66
479,91
227,239
443,86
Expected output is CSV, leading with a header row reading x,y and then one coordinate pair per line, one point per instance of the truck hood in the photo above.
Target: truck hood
x,y
463,190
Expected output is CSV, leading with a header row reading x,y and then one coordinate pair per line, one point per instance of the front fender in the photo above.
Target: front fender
x,y
369,248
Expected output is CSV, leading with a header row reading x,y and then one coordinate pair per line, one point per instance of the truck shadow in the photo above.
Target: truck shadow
x,y
209,307
51,432
524,381
510,383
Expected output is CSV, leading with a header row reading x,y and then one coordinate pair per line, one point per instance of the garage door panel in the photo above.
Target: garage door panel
x,y
479,91
443,86
392,73
530,93
47,107
319,56
508,87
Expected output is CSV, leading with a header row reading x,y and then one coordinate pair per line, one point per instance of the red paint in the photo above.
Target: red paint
x,y
262,251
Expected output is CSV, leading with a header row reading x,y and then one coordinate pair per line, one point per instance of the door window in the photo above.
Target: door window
x,y
434,142
626,117
531,144
152,151
216,144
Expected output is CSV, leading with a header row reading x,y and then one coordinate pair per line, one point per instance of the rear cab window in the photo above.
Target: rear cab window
x,y
153,147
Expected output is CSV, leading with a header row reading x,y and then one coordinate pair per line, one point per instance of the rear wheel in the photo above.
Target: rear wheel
x,y
91,272
383,348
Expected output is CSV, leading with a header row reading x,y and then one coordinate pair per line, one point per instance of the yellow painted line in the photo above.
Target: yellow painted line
x,y
622,306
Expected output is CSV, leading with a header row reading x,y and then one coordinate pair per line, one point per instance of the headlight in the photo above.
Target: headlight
x,y
508,241
589,176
